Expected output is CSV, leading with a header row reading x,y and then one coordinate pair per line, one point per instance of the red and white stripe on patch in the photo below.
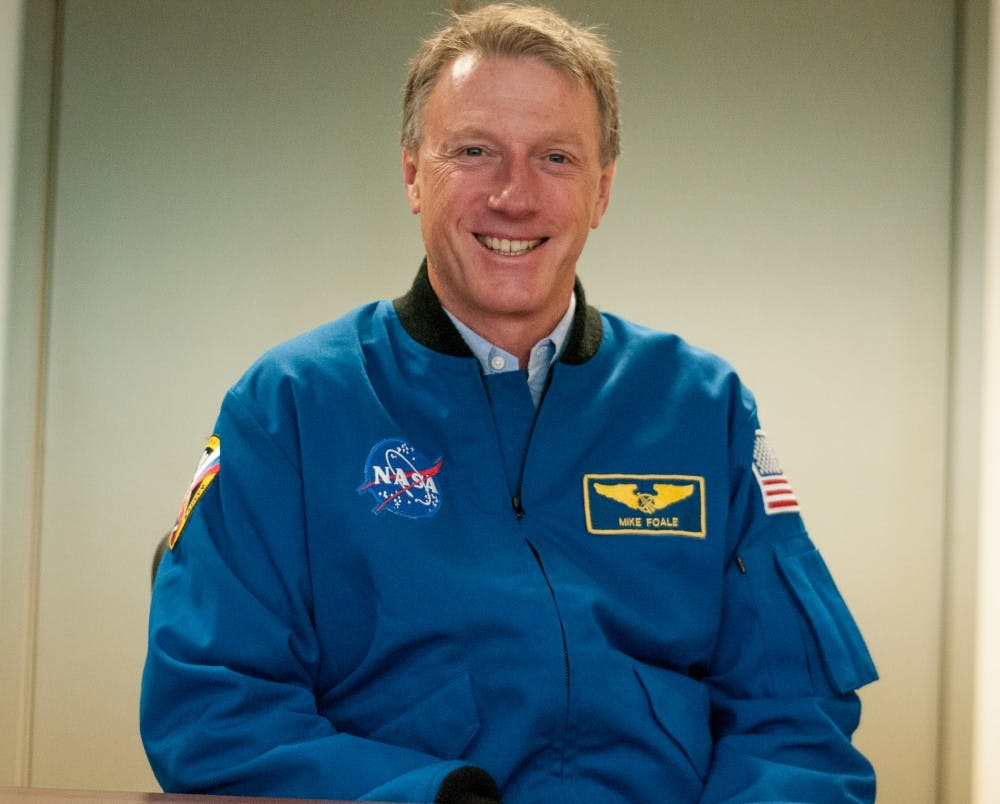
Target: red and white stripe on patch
x,y
775,490
208,469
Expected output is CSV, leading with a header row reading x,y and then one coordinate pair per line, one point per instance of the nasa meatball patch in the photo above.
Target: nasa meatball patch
x,y
402,480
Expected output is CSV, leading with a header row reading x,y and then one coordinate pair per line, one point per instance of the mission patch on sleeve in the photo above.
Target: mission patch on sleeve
x,y
208,469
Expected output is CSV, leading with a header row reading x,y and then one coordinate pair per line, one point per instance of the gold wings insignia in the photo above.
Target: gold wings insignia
x,y
628,494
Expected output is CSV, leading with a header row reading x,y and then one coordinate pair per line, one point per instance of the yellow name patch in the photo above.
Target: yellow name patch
x,y
655,505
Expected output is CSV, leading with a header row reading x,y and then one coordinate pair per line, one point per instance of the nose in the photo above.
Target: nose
x,y
517,191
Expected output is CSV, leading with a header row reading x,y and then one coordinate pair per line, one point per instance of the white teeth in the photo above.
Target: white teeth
x,y
507,247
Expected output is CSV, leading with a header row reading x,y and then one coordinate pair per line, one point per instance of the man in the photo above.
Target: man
x,y
484,543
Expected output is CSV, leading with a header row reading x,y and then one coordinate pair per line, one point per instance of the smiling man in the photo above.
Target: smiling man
x,y
484,543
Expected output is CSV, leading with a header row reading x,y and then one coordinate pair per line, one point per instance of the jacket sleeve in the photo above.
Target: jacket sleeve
x,y
789,655
228,702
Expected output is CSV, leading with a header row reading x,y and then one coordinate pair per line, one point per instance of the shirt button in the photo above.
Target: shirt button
x,y
497,362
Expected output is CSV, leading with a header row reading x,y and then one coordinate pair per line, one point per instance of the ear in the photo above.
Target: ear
x,y
410,180
603,194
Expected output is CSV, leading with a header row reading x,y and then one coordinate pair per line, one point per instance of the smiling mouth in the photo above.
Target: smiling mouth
x,y
509,248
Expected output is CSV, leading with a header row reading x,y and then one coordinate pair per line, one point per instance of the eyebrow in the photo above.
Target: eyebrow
x,y
569,137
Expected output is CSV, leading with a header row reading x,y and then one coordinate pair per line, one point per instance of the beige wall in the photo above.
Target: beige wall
x,y
10,74
987,721
965,479
23,340
227,175
10,51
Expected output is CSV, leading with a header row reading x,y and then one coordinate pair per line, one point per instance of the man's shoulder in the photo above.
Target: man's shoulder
x,y
667,366
631,340
321,349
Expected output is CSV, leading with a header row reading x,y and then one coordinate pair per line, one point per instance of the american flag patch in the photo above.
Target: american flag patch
x,y
775,489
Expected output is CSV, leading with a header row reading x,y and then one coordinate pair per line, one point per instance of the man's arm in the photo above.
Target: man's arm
x,y
787,664
228,697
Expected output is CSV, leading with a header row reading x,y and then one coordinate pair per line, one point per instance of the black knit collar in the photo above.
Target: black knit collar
x,y
425,320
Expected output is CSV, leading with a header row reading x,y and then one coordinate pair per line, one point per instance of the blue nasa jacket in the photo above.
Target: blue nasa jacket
x,y
390,576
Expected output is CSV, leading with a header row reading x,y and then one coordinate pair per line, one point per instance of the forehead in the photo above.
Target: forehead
x,y
474,70
498,89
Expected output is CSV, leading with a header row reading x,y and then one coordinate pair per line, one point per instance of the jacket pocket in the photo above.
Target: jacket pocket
x,y
846,660
441,724
683,714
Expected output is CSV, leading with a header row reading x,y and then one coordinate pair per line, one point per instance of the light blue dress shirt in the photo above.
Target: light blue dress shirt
x,y
543,355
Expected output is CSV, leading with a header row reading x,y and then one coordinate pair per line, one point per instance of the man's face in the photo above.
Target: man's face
x,y
508,182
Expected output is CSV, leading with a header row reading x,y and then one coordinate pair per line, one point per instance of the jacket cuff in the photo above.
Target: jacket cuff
x,y
468,785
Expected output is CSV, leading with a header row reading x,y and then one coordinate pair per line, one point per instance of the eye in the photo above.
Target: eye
x,y
473,150
558,159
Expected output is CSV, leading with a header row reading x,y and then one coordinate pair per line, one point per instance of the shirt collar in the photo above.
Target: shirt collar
x,y
420,313
495,360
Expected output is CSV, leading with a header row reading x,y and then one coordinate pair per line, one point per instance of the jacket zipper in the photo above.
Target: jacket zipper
x,y
562,631
515,503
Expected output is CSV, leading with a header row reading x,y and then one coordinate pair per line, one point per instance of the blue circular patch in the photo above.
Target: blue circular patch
x,y
402,480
